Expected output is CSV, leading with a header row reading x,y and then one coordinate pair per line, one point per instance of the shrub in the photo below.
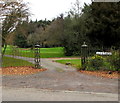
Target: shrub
x,y
95,63
114,60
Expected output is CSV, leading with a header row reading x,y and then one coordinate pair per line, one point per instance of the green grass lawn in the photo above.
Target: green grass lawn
x,y
27,52
74,62
8,62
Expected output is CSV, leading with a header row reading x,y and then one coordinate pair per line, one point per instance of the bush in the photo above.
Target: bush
x,y
114,60
21,41
95,63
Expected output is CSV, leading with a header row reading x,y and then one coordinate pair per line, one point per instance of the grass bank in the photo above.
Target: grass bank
x,y
73,62
8,62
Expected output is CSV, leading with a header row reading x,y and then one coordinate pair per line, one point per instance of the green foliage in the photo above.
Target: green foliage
x,y
103,24
75,29
95,63
105,63
20,41
114,60
74,35
22,31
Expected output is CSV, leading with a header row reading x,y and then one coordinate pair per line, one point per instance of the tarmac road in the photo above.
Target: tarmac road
x,y
60,78
32,94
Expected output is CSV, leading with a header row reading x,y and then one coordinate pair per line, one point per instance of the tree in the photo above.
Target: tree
x,y
74,31
38,34
12,13
103,25
74,35
54,32
21,33
76,9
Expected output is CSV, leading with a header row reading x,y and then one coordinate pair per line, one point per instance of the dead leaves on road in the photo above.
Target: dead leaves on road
x,y
19,70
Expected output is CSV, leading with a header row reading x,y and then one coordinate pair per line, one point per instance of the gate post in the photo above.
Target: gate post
x,y
37,57
84,54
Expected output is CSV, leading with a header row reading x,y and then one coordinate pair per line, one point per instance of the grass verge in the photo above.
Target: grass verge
x,y
73,62
12,62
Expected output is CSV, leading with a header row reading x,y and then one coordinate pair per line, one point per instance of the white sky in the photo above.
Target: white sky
x,y
50,9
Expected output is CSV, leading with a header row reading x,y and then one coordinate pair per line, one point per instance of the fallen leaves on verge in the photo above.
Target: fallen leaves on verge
x,y
102,74
19,70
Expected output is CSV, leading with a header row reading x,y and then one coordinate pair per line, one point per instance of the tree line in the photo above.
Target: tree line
x,y
97,24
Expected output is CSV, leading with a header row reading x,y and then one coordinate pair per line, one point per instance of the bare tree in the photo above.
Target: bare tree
x,y
76,9
12,13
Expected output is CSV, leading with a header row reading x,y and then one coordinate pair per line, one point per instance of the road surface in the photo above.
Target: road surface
x,y
32,94
58,77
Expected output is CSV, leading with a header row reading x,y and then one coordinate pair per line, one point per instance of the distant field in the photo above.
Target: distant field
x,y
27,52
73,62
8,62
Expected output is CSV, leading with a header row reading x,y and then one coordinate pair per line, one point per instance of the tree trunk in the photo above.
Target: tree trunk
x,y
5,46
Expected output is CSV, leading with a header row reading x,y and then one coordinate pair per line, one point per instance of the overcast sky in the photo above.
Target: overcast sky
x,y
50,9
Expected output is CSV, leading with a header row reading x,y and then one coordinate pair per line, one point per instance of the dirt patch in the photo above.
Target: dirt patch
x,y
104,74
19,70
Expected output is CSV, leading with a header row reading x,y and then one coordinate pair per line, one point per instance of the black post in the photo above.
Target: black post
x,y
37,57
84,54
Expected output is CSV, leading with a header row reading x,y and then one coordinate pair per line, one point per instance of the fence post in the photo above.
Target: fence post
x,y
37,57
84,54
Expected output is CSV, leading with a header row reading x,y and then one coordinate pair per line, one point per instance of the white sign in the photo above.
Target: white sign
x,y
103,53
